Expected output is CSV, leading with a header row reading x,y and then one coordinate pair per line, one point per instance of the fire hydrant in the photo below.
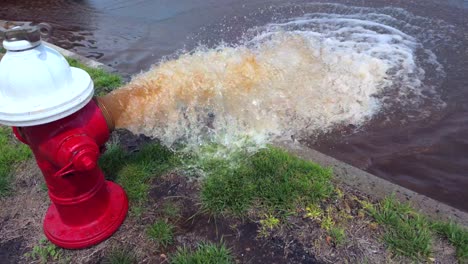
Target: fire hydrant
x,y
51,108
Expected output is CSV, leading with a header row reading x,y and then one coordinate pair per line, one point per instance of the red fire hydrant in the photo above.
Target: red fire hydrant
x,y
66,130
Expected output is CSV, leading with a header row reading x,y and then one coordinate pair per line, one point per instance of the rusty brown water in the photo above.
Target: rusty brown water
x,y
422,146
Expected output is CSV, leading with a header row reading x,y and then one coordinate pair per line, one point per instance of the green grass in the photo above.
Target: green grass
x,y
456,235
271,178
11,153
337,234
205,253
134,171
104,82
120,256
162,233
171,210
407,232
44,252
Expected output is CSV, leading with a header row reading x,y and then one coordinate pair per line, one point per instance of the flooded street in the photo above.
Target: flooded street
x,y
419,136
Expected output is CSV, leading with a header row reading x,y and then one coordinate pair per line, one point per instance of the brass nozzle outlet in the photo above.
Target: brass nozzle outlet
x,y
106,113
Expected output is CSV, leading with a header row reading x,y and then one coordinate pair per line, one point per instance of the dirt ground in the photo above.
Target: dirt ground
x,y
301,240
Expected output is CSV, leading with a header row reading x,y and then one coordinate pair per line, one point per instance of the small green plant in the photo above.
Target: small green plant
x,y
313,212
120,256
45,252
268,224
137,211
205,253
162,233
339,193
327,223
104,82
456,235
11,152
337,234
407,232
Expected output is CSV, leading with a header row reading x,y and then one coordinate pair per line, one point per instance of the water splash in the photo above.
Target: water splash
x,y
292,78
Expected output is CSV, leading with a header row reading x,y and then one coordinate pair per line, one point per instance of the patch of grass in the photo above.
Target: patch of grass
x,y
162,233
11,152
45,252
337,234
271,178
137,211
113,160
170,210
134,179
407,232
134,171
120,256
2,50
456,235
206,253
104,82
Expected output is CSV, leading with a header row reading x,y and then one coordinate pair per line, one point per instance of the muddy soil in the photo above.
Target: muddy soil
x,y
299,240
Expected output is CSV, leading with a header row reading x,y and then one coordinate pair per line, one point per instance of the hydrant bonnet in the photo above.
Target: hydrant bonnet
x,y
37,85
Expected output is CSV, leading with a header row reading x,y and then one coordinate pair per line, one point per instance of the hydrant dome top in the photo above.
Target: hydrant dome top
x,y
37,85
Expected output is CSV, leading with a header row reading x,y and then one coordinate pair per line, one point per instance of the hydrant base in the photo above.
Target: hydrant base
x,y
76,237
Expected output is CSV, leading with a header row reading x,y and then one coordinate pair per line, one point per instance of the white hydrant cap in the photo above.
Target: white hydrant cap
x,y
37,85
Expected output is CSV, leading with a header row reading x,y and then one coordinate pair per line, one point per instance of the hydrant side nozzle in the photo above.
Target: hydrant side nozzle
x,y
106,113
78,154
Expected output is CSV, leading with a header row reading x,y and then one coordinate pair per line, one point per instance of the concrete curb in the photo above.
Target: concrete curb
x,y
88,62
376,187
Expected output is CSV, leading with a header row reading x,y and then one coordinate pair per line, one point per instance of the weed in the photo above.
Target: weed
x,y
407,232
271,178
206,253
104,82
314,212
337,234
137,211
11,152
44,187
120,256
339,193
268,224
44,252
327,223
162,233
456,235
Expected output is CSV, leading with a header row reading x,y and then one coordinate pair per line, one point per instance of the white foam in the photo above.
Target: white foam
x,y
297,77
